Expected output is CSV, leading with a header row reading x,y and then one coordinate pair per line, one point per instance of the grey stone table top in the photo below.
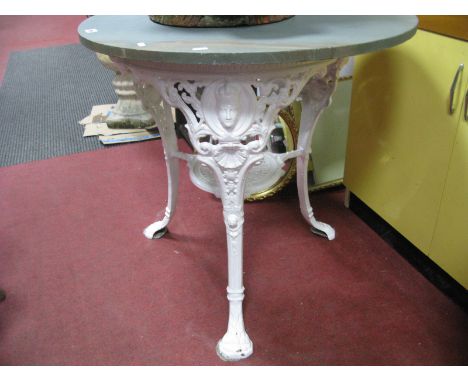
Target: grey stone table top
x,y
299,39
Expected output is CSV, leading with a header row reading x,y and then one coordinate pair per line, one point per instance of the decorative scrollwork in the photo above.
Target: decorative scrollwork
x,y
223,114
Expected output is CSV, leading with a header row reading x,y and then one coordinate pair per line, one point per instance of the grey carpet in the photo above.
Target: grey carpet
x,y
45,92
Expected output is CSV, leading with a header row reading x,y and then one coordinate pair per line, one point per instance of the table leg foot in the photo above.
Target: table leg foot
x,y
317,227
323,229
153,231
158,229
234,347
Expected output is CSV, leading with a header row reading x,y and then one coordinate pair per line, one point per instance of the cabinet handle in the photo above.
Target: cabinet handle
x,y
453,87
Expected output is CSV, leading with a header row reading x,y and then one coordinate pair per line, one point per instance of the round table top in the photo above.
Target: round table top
x,y
299,39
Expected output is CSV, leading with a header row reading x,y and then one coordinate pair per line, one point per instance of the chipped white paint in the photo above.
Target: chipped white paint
x,y
230,112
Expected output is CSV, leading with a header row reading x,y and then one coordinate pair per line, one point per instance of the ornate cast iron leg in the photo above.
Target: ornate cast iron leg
x,y
230,128
223,138
162,114
316,96
235,344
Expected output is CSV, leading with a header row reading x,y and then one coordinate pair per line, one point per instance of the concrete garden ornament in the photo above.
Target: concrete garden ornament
x,y
128,112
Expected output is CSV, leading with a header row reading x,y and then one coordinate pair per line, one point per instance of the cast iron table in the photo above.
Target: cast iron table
x,y
230,83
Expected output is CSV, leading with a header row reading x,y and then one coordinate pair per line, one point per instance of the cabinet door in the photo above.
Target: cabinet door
x,y
401,134
450,244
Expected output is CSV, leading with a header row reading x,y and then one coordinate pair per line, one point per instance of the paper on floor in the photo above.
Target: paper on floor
x,y
94,125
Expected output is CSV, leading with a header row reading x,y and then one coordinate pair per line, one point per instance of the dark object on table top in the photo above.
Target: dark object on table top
x,y
215,21
2,295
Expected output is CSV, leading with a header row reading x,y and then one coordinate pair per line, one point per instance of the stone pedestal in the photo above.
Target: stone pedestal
x,y
128,113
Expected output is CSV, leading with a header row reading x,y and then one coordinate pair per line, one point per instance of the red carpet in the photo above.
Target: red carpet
x,y
85,287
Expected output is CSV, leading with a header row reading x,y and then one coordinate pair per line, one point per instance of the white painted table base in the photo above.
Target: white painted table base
x,y
231,111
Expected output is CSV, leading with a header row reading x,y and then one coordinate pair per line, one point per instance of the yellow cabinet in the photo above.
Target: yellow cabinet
x,y
402,140
449,247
